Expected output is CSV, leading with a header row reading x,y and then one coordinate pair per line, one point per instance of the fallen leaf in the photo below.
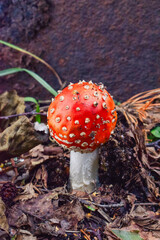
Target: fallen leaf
x,y
28,193
3,220
126,235
25,235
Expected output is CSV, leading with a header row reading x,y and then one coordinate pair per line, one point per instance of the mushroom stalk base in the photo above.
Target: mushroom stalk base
x,y
84,170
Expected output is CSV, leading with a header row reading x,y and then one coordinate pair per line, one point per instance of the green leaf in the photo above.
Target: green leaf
x,y
38,117
156,131
126,235
90,207
34,75
31,99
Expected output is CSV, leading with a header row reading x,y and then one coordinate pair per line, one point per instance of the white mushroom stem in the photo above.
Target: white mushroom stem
x,y
84,170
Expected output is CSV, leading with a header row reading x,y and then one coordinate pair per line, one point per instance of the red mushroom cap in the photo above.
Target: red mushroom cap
x,y
82,116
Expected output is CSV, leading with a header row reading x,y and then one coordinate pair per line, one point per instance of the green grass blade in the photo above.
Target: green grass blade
x,y
30,99
34,56
9,71
34,75
38,117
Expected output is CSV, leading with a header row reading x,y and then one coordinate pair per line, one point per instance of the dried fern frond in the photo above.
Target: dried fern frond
x,y
143,106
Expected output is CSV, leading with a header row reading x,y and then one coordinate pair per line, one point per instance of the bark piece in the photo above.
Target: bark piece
x,y
19,138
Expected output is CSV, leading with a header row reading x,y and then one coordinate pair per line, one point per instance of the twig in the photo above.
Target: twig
x,y
22,114
85,234
102,205
147,204
155,144
116,204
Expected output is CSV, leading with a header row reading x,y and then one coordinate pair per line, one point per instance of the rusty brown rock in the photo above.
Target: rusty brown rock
x,y
19,138
114,42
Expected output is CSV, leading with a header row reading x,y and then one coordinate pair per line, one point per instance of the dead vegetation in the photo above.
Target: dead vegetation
x,y
38,204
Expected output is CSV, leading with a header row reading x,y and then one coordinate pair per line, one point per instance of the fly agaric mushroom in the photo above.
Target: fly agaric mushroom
x,y
81,118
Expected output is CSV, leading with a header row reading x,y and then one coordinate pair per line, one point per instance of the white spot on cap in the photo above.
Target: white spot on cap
x,y
97,116
77,141
86,87
78,109
70,87
104,98
101,87
82,134
80,82
61,98
113,111
64,128
71,135
51,132
87,120
64,141
90,82
52,110
60,135
95,104
104,105
58,119
113,120
91,144
84,144
69,118
53,99
95,94
74,98
86,97
67,107
59,91
76,122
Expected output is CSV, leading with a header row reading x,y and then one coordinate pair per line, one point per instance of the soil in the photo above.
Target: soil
x,y
40,205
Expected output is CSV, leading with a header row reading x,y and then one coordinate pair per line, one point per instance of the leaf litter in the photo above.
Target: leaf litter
x,y
126,204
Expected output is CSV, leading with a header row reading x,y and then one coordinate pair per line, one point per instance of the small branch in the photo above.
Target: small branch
x,y
22,114
102,205
146,204
155,144
116,204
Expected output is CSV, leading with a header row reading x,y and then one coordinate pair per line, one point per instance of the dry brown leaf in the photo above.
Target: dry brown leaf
x,y
41,176
25,235
71,212
38,155
147,220
19,138
10,103
3,220
28,193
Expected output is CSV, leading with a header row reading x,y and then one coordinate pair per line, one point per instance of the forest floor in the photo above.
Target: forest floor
x,y
36,202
